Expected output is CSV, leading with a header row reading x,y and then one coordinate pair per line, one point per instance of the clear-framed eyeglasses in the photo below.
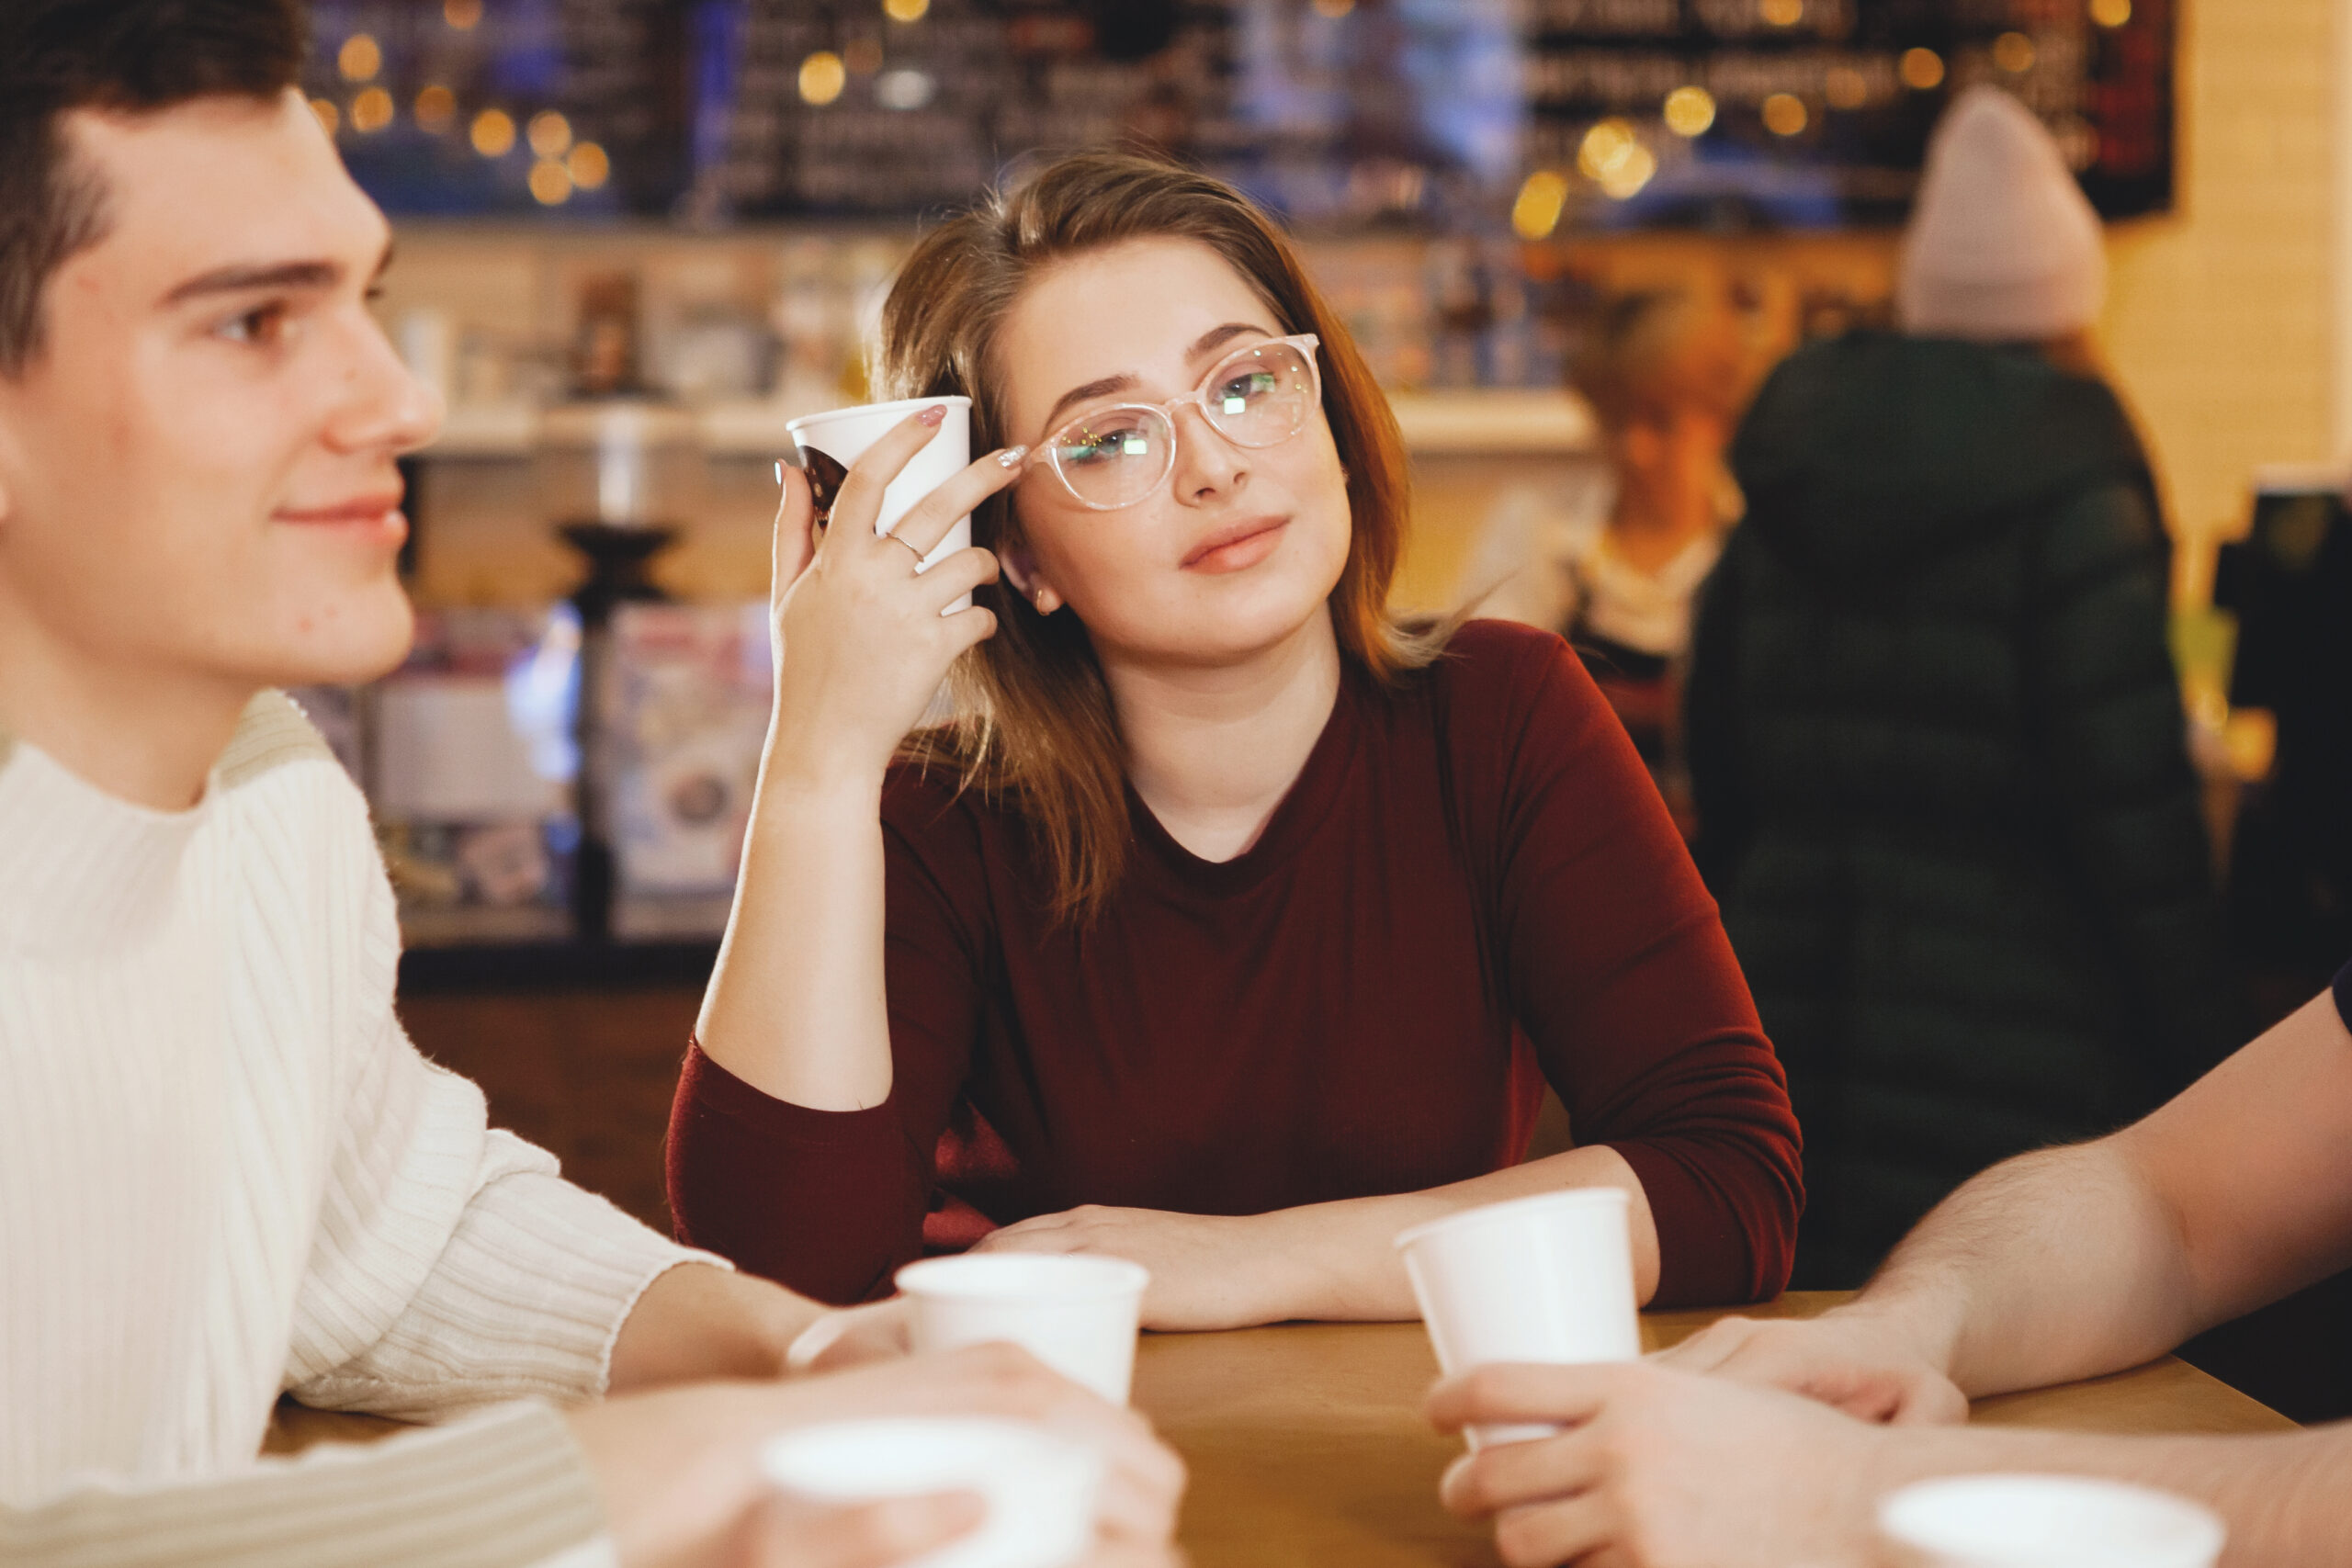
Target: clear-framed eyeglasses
x,y
1260,396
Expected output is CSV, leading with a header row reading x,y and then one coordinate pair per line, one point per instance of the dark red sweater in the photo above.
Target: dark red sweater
x,y
1331,1015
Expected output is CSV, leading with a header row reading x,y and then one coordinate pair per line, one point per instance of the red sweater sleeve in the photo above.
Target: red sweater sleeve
x,y
1619,969
831,1202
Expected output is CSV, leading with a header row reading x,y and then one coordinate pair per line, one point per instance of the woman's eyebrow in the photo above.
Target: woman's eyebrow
x,y
1217,337
1207,343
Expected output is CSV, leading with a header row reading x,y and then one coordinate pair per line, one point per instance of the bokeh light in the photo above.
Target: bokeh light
x,y
371,110
1631,173
2013,52
550,134
550,183
588,166
494,133
1845,87
906,10
436,108
1690,111
359,58
1785,114
1922,69
330,117
1334,9
1781,13
1541,200
462,14
2110,13
823,77
1609,143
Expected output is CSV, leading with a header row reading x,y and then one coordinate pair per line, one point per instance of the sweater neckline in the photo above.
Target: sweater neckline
x,y
1304,808
81,870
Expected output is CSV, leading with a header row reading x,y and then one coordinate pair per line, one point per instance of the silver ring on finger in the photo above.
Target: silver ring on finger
x,y
911,548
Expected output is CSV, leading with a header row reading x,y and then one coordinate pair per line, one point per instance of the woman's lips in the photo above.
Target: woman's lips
x,y
1236,548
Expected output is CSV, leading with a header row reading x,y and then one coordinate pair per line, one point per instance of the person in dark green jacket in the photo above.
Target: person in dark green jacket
x,y
1938,754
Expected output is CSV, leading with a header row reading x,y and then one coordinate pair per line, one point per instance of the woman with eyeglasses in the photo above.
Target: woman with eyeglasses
x,y
1233,925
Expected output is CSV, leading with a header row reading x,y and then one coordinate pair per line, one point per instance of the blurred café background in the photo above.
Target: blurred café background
x,y
635,236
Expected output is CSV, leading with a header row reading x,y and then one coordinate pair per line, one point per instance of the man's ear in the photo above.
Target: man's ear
x,y
1028,579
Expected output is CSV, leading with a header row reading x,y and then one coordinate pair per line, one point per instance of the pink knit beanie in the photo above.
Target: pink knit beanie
x,y
2002,246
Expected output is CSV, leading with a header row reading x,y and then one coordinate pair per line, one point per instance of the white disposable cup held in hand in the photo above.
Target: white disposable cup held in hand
x,y
1546,1278
2044,1521
829,443
1039,1486
1076,1314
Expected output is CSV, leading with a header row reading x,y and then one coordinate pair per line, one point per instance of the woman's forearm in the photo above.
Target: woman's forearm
x,y
796,1006
1338,1260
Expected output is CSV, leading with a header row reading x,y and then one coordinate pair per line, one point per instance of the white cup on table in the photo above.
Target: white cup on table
x,y
2044,1521
1547,1278
1039,1486
828,443
1076,1314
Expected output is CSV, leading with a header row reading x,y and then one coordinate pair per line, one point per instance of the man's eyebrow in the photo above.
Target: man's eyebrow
x,y
1208,342
241,277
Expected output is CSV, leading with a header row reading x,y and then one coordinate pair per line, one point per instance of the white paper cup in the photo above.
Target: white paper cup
x,y
2046,1521
1039,1486
1076,1313
828,443
1544,1279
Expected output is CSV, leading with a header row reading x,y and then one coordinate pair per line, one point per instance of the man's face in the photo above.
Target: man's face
x,y
195,474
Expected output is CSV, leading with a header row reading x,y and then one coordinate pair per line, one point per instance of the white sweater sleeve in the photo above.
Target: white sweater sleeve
x,y
500,1490
452,1265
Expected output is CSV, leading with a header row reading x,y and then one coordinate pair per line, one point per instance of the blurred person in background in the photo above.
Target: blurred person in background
x,y
1238,925
1936,738
1665,375
225,1173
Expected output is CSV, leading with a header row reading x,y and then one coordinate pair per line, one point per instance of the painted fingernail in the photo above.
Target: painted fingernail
x,y
1010,457
932,414
779,470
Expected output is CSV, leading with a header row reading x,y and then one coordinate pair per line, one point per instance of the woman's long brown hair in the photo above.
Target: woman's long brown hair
x,y
1035,729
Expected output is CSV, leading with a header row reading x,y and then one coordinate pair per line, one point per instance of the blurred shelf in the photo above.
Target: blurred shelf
x,y
1499,421
1483,421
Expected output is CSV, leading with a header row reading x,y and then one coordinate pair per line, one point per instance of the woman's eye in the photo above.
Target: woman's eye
x,y
1103,445
1240,391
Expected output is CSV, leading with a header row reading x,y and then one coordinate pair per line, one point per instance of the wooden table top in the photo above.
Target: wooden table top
x,y
1308,1447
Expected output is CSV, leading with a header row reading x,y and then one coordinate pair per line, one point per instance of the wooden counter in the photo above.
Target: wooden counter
x,y
1307,1448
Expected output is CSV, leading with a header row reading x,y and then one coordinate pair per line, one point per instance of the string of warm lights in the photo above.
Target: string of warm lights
x,y
1615,156
561,164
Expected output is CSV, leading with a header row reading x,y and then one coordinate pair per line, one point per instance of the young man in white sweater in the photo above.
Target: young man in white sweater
x,y
224,1171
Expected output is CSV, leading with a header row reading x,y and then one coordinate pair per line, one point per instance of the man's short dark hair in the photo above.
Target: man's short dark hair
x,y
133,56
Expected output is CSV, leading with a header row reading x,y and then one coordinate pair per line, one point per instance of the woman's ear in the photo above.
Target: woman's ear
x,y
1028,580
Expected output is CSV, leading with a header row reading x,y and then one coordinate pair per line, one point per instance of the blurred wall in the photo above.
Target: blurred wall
x,y
2222,319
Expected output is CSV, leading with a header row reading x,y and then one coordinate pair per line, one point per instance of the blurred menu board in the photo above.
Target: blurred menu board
x,y
1427,115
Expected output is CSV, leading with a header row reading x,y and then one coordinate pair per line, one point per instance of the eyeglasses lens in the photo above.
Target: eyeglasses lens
x,y
1259,397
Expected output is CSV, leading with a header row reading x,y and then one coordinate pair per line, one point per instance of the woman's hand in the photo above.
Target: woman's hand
x,y
1207,1270
861,642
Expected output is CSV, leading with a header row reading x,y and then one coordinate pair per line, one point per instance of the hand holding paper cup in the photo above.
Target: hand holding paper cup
x,y
1548,1279
829,443
1076,1314
1039,1488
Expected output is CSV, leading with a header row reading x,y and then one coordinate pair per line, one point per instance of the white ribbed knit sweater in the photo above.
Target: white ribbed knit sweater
x,y
225,1172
